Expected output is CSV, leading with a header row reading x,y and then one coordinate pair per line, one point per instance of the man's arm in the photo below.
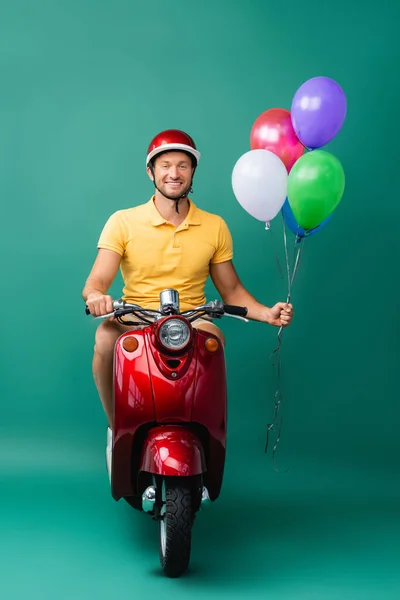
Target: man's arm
x,y
231,290
99,281
229,286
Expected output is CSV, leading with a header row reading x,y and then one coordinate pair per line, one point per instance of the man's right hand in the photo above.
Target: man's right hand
x,y
99,304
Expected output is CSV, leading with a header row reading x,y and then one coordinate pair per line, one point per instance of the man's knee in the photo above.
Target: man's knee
x,y
211,328
105,339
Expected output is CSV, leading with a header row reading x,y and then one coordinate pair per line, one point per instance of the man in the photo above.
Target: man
x,y
166,242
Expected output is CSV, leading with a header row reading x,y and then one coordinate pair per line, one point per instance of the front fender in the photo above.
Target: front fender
x,y
173,451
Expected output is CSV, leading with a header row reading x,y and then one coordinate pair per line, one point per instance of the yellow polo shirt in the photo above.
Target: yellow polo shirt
x,y
156,255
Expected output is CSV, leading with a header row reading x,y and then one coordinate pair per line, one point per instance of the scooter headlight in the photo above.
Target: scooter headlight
x,y
174,334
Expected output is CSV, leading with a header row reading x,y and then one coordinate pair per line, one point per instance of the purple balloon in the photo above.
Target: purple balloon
x,y
318,111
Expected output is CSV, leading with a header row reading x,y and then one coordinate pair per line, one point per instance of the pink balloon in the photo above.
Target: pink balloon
x,y
273,130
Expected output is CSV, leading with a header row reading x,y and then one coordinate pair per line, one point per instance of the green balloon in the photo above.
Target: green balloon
x,y
315,187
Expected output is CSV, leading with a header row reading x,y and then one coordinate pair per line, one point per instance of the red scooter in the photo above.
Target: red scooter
x,y
170,411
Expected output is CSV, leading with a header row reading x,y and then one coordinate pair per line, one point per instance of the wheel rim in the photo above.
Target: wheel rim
x,y
163,536
163,525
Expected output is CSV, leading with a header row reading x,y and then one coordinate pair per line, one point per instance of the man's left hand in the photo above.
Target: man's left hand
x,y
281,314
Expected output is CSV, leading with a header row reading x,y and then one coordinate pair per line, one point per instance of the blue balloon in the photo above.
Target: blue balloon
x,y
295,228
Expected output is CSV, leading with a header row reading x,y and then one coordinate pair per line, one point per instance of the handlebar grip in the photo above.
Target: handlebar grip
x,y
87,310
239,311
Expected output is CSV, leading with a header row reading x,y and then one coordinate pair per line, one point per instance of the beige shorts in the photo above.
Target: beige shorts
x,y
204,319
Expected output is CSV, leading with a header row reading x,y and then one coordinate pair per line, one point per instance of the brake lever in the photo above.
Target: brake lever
x,y
111,314
236,317
118,312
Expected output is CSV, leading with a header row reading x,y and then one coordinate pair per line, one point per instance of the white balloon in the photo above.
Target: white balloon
x,y
259,182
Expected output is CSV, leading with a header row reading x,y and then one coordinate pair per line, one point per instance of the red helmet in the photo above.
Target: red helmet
x,y
171,139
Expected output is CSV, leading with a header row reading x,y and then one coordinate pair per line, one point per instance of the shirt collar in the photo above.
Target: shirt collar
x,y
156,219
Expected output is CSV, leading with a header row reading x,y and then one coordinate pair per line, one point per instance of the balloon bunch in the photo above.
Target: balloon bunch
x,y
285,170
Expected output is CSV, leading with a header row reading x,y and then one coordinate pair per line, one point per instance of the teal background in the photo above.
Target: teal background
x,y
85,85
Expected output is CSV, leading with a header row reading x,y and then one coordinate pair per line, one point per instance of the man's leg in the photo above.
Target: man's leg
x,y
107,334
205,325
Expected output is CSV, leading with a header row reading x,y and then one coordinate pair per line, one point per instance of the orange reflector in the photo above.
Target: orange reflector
x,y
212,344
130,343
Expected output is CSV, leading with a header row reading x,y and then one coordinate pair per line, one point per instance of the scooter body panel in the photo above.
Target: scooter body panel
x,y
182,392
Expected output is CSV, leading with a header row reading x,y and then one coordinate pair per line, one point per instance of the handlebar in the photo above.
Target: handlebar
x,y
239,311
214,309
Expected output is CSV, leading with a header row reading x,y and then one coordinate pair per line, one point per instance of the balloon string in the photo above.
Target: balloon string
x,y
291,274
276,254
287,260
297,255
277,422
289,279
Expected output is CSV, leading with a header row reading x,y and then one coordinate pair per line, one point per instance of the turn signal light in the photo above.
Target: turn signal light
x,y
212,344
130,343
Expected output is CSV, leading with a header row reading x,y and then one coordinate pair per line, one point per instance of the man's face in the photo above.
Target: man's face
x,y
173,173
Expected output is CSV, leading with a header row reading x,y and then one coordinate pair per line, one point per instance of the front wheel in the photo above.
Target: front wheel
x,y
177,516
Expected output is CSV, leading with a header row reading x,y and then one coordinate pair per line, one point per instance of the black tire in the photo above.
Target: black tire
x,y
176,527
